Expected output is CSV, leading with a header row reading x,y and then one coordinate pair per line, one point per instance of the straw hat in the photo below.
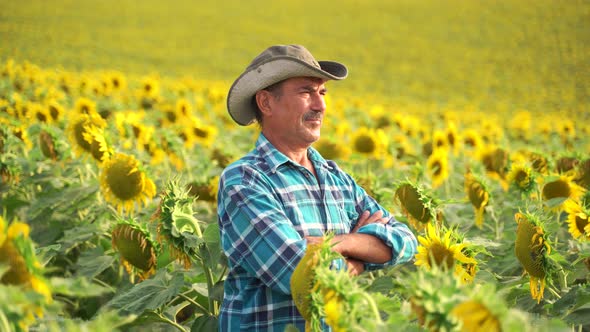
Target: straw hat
x,y
275,64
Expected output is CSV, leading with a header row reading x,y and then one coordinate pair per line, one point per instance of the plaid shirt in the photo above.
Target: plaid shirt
x,y
267,204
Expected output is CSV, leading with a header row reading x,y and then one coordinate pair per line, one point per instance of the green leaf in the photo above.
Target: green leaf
x,y
91,263
205,323
211,234
77,287
150,294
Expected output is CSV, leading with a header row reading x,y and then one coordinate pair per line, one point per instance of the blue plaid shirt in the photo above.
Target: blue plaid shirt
x,y
267,204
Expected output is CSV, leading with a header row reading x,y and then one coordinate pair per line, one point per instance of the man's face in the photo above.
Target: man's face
x,y
296,115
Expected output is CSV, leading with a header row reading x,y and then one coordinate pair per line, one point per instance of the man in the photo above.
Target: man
x,y
283,195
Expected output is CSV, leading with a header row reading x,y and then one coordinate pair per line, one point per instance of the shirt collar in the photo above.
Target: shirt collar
x,y
275,158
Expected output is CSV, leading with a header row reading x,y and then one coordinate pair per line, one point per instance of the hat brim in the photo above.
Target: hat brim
x,y
239,99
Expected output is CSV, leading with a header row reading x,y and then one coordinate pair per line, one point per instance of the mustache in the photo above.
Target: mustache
x,y
312,116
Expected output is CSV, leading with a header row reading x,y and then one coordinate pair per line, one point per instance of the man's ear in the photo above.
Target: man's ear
x,y
263,101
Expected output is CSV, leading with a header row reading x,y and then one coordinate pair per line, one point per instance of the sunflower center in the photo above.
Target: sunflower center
x,y
79,131
437,167
124,181
441,255
556,189
365,144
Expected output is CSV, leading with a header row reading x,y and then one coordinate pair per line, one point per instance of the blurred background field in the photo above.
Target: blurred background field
x,y
468,120
517,54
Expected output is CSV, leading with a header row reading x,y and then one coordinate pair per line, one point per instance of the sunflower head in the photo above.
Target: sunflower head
x,y
79,125
478,195
578,220
438,166
558,189
124,184
495,160
446,250
369,142
416,204
583,174
17,250
136,248
47,143
332,150
521,177
532,248
177,225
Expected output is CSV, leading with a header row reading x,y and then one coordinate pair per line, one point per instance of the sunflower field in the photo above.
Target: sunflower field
x,y
470,122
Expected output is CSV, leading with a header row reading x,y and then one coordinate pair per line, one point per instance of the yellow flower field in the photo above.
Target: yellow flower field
x,y
469,121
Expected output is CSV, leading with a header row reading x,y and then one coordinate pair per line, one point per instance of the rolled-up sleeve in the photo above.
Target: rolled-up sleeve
x,y
397,236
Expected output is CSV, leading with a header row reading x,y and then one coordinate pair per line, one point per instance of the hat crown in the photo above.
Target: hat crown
x,y
282,51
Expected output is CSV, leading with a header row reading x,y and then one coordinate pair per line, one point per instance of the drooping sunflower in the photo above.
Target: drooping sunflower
x,y
416,204
495,161
47,143
136,248
583,174
478,195
578,220
531,249
438,167
558,189
124,184
80,124
566,164
445,252
521,177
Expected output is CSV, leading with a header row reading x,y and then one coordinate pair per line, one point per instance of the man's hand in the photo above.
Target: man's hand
x,y
354,266
368,218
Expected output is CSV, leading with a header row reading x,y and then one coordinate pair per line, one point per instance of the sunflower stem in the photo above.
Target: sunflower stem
x,y
165,319
195,303
373,306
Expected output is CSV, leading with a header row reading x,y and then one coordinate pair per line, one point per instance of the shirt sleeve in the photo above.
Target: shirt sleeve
x,y
255,232
394,234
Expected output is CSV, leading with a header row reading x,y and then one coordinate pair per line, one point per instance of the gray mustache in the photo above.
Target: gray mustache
x,y
312,116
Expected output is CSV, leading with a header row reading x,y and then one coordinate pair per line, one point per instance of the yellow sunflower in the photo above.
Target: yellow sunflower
x,y
531,249
521,177
124,184
558,189
478,195
369,142
475,316
55,110
332,150
578,220
78,126
445,252
99,148
438,167
85,105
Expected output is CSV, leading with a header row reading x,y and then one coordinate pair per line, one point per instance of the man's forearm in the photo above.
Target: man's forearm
x,y
364,247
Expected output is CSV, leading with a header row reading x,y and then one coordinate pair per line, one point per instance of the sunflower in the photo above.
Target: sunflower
x,y
206,191
124,184
99,149
17,253
184,108
416,205
446,253
47,144
55,110
566,164
539,162
438,167
204,134
521,177
21,132
136,248
85,105
557,189
369,142
452,137
495,161
578,220
330,149
583,174
531,249
478,195
439,140
78,126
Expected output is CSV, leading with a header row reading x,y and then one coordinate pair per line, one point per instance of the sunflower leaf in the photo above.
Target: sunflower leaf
x,y
150,294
